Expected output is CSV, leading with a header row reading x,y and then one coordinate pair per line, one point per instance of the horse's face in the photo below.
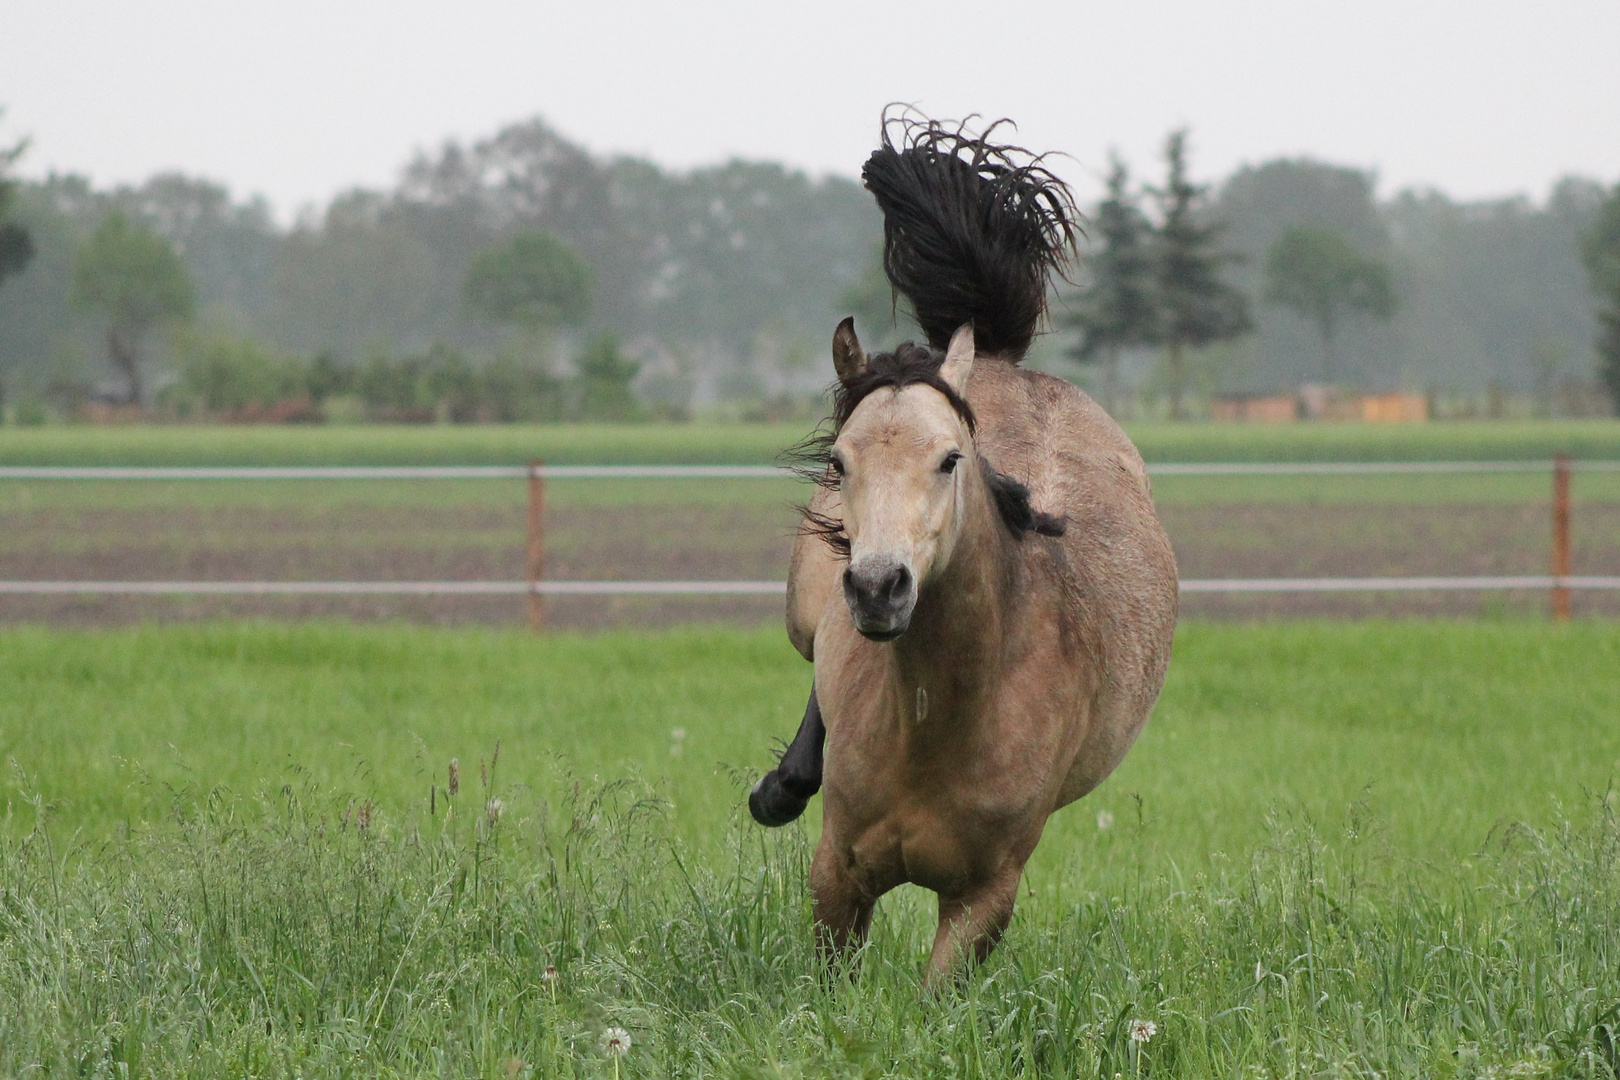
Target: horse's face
x,y
904,458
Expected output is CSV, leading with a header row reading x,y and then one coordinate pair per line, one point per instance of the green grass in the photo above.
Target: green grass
x,y
714,443
1338,850
1480,440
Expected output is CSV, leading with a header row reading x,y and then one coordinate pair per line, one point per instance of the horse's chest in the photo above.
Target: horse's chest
x,y
937,821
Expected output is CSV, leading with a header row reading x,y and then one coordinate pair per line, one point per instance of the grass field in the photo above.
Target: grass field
x,y
760,443
1339,850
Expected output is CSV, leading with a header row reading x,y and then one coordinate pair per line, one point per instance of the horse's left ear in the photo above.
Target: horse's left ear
x,y
958,363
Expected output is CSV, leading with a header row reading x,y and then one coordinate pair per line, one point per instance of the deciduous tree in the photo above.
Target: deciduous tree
x,y
1319,275
605,375
532,280
135,281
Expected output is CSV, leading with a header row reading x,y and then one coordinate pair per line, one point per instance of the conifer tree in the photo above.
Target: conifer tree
x,y
1196,306
1602,254
16,246
1119,310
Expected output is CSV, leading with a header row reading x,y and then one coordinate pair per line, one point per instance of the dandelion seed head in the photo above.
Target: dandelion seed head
x,y
1105,820
677,734
615,1042
493,810
550,973
1143,1030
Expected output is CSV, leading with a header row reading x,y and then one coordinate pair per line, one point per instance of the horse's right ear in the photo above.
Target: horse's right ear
x,y
849,359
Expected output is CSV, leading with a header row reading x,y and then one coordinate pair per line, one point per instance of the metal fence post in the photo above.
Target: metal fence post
x,y
535,556
1560,537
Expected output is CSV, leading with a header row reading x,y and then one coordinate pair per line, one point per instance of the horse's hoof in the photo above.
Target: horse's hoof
x,y
772,804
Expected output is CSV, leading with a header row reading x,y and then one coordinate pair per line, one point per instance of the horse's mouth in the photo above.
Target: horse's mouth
x,y
881,636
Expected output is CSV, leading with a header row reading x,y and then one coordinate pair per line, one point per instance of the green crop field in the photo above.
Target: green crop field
x,y
1373,849
712,443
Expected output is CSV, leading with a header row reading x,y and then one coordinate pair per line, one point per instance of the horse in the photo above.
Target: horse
x,y
980,578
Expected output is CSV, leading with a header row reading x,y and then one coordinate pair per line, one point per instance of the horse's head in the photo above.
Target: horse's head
x,y
904,461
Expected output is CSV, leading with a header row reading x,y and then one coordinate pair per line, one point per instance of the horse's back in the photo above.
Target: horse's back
x,y
1115,585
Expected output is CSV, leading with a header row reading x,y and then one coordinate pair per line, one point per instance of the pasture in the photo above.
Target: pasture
x,y
744,444
1380,848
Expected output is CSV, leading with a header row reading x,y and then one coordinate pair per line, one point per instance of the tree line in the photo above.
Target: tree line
x,y
521,277
1164,275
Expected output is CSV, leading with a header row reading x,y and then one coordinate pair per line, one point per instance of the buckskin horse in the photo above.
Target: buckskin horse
x,y
980,577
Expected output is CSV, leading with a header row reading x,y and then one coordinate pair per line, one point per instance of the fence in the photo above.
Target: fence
x,y
536,587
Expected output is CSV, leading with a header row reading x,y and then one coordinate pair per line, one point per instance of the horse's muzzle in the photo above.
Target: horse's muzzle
x,y
881,595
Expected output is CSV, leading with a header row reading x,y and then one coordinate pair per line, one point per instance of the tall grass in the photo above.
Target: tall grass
x,y
298,935
1367,850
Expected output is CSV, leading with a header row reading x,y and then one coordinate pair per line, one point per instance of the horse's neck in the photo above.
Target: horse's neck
x,y
953,648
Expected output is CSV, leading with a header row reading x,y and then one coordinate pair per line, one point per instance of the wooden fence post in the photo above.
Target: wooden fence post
x,y
535,560
1560,536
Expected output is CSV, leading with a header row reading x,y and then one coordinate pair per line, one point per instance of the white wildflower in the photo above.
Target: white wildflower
x,y
1143,1030
615,1042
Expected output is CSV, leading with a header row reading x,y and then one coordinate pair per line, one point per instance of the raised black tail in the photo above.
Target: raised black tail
x,y
972,231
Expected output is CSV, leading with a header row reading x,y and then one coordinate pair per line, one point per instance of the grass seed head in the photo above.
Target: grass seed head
x,y
363,821
455,776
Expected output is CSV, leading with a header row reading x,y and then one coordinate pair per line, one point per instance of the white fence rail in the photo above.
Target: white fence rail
x,y
536,473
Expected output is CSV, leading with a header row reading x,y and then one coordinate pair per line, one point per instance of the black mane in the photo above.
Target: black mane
x,y
910,364
973,231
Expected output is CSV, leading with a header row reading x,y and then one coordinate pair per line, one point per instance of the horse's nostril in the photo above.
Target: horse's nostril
x,y
899,581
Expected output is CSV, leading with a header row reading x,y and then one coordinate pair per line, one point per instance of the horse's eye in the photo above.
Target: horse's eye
x,y
949,464
837,464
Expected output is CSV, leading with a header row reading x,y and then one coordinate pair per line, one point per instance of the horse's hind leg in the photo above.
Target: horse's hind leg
x,y
782,794
970,924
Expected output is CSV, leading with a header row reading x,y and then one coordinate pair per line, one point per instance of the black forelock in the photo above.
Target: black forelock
x,y
910,364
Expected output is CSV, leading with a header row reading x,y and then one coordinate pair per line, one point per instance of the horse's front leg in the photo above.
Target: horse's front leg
x,y
970,924
782,794
842,904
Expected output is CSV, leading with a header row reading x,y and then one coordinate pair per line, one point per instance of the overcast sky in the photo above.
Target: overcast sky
x,y
300,99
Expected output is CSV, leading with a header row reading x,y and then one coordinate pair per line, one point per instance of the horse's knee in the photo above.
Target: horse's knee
x,y
778,800
783,793
841,907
